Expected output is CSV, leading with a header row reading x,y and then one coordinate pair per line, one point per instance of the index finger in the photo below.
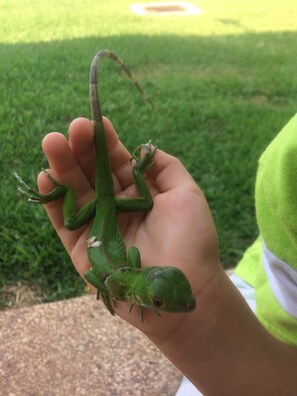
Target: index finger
x,y
81,141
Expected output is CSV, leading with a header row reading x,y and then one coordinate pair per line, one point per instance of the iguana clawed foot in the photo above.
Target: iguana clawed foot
x,y
35,196
145,162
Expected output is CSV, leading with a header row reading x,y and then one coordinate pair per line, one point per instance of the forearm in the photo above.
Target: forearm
x,y
224,350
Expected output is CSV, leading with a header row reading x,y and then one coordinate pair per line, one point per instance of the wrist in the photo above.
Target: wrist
x,y
222,348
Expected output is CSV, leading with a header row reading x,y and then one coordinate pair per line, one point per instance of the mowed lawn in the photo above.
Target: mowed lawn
x,y
224,82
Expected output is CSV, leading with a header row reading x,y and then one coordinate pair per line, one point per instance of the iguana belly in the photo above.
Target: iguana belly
x,y
106,250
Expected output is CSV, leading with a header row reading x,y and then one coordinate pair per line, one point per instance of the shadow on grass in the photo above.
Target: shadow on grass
x,y
221,100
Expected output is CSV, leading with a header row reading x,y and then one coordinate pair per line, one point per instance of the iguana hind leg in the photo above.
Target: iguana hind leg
x,y
144,201
73,218
35,196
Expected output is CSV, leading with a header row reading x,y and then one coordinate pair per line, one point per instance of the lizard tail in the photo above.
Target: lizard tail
x,y
93,82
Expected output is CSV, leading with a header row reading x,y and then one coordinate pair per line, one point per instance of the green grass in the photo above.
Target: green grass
x,y
224,82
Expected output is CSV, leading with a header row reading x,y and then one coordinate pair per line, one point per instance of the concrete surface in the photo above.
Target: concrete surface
x,y
76,347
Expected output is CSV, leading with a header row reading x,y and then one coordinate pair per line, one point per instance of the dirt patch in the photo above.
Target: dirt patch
x,y
19,295
166,8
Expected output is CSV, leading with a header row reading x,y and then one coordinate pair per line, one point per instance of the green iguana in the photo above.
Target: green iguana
x,y
115,273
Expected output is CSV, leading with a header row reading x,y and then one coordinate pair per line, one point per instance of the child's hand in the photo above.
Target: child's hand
x,y
178,231
220,346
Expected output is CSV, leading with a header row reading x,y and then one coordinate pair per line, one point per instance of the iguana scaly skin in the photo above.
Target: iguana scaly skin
x,y
115,273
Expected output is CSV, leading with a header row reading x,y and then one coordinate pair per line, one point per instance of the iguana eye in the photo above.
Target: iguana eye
x,y
157,302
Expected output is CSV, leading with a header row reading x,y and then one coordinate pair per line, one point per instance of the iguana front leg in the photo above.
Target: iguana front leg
x,y
133,261
102,291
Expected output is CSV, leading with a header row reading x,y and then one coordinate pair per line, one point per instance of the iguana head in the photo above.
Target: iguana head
x,y
160,288
167,289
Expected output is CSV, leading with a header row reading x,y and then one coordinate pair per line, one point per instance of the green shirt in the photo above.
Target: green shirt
x,y
270,264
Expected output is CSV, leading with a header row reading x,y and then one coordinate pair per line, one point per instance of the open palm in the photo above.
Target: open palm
x,y
178,231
